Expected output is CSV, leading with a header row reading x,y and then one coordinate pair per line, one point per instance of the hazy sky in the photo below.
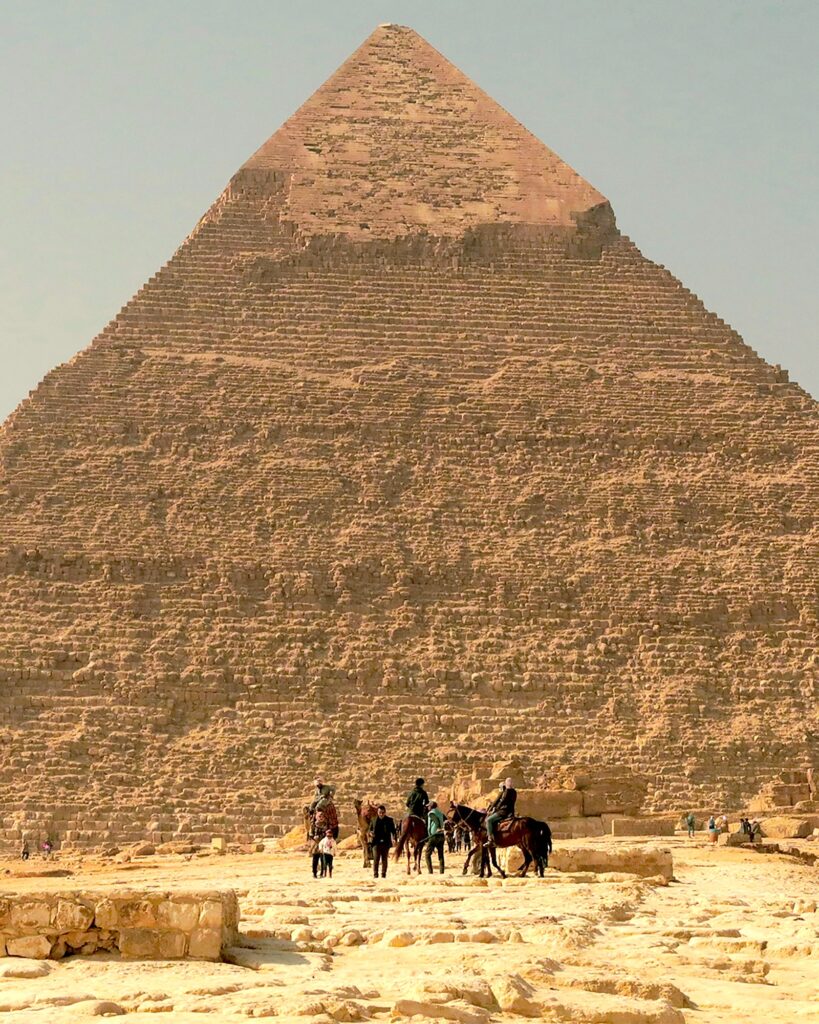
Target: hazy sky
x,y
121,122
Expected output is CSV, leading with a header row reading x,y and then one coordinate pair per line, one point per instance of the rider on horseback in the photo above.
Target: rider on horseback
x,y
501,808
418,801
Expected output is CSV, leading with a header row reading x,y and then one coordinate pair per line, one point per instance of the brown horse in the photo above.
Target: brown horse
x,y
413,835
365,813
532,837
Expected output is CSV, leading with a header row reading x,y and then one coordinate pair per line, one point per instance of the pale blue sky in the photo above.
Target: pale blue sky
x,y
120,123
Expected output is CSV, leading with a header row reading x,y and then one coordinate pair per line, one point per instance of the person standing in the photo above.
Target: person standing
x,y
436,836
691,823
382,837
327,848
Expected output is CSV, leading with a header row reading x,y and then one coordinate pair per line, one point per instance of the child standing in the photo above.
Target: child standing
x,y
327,849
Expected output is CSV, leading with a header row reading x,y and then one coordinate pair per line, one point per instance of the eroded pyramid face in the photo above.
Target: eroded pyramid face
x,y
398,141
406,462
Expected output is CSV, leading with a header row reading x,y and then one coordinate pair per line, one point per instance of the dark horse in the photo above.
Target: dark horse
x,y
413,835
533,837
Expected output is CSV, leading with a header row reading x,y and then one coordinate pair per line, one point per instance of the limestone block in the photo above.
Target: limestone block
x,y
178,914
205,944
548,804
69,916
139,943
105,914
601,799
789,827
137,913
577,828
514,995
733,839
172,945
646,861
34,947
211,915
643,826
29,916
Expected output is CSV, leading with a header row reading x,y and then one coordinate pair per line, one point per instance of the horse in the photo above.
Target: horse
x,y
365,813
532,837
413,835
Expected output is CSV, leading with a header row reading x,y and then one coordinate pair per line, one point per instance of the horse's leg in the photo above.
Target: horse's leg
x,y
527,860
495,864
470,854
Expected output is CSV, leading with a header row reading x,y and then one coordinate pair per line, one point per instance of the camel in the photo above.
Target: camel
x,y
364,814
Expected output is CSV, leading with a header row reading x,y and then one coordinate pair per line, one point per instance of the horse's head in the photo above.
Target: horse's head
x,y
358,804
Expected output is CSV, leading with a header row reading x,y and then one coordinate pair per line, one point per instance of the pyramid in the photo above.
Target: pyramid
x,y
407,461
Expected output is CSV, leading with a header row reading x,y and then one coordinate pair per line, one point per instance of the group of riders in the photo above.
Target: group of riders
x,y
425,828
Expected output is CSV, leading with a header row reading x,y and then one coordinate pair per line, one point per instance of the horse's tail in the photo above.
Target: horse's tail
x,y
402,839
544,840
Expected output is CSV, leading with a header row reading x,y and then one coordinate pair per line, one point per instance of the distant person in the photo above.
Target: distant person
x,y
382,835
327,848
745,826
691,824
501,808
436,835
723,823
24,853
713,829
756,831
418,800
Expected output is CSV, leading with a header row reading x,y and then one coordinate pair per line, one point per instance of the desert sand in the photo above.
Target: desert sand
x,y
733,937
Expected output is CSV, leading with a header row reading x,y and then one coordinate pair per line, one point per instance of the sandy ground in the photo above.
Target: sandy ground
x,y
733,938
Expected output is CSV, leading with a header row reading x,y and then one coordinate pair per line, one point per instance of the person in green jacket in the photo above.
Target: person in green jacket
x,y
435,831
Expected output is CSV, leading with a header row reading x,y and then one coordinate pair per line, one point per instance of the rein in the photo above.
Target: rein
x,y
472,819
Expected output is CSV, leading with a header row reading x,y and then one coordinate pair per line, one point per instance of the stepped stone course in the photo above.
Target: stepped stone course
x,y
406,461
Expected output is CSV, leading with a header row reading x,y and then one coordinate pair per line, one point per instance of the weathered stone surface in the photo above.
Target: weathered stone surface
x,y
647,861
211,914
172,945
139,913
69,916
30,916
182,915
139,943
576,828
643,826
34,947
105,914
789,827
205,944
548,805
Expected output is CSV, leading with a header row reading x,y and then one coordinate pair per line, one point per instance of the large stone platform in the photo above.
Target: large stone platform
x,y
142,925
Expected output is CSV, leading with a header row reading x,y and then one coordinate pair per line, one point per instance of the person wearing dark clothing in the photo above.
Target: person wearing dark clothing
x,y
418,800
502,807
382,834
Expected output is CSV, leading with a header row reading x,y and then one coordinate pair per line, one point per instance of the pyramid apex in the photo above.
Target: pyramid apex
x,y
398,140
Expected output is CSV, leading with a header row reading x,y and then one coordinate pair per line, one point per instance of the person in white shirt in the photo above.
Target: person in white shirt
x,y
327,849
